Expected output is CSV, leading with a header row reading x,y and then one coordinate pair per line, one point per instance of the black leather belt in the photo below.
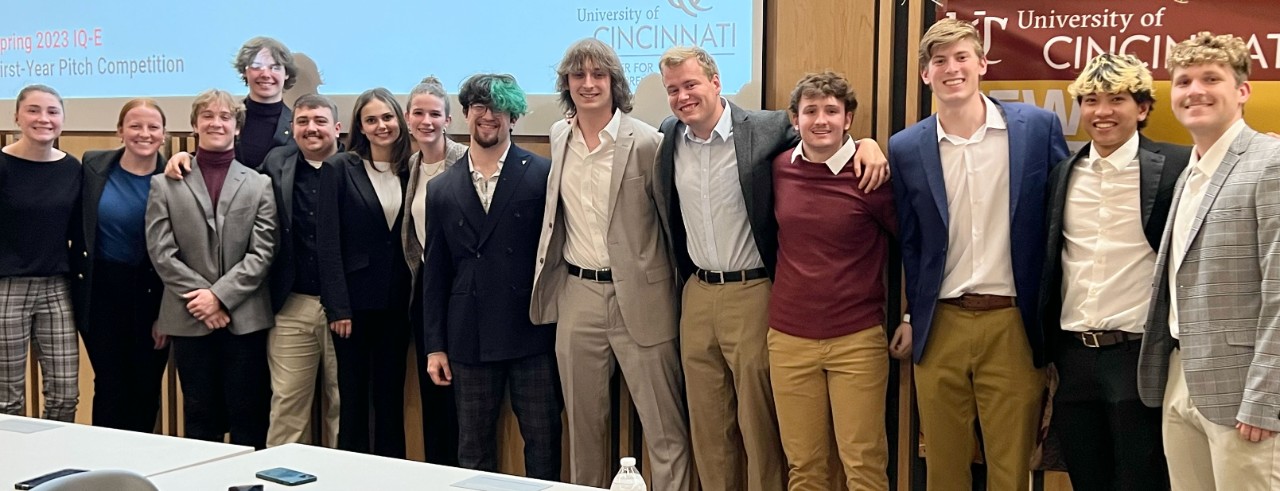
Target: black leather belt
x,y
602,275
1099,339
722,277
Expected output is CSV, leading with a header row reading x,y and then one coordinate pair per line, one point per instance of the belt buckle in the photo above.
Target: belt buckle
x,y
1090,335
719,277
599,273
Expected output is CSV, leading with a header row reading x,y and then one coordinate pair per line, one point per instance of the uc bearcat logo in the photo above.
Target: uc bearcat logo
x,y
691,7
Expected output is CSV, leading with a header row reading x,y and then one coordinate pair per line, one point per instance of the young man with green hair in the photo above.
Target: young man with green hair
x,y
482,239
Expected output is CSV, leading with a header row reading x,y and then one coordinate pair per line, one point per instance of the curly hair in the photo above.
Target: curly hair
x,y
499,91
1204,48
822,85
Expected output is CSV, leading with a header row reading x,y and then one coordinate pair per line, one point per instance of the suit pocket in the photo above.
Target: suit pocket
x,y
1227,215
242,211
1243,338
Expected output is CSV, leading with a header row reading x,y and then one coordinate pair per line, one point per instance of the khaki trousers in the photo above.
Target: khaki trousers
x,y
978,364
723,331
590,337
1205,456
826,387
298,347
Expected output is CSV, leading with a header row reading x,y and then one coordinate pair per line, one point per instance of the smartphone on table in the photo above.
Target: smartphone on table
x,y
285,476
36,481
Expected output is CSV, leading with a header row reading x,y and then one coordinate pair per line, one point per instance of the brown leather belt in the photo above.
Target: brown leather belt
x,y
979,302
1099,339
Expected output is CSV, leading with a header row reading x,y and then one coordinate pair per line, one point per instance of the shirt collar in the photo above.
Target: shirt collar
x,y
610,130
837,160
995,121
1208,163
724,127
471,166
1120,159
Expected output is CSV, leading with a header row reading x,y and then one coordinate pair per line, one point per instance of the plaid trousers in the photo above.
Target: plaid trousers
x,y
38,308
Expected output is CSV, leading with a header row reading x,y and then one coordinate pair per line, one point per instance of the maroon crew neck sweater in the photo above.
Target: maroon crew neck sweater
x,y
213,167
833,244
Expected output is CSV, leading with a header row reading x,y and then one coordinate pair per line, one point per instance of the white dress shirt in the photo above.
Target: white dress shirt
x,y
711,200
837,161
418,208
976,173
1199,172
387,186
1106,259
485,186
584,194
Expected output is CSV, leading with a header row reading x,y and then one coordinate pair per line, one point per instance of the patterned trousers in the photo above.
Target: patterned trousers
x,y
39,309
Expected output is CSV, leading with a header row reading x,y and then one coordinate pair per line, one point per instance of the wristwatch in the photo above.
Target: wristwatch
x,y
906,318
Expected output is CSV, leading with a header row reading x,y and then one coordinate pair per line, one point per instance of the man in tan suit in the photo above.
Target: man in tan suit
x,y
605,272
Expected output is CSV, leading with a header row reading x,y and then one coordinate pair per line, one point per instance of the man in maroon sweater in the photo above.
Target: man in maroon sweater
x,y
827,339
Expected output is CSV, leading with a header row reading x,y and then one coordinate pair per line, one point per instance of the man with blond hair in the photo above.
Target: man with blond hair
x,y
714,184
969,186
1107,208
605,272
1211,354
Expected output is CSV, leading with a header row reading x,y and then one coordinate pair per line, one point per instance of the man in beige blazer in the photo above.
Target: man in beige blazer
x,y
605,272
212,238
1209,356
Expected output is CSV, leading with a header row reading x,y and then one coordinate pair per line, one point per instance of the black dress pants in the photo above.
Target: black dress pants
x,y
439,410
1110,440
127,368
536,400
226,386
371,365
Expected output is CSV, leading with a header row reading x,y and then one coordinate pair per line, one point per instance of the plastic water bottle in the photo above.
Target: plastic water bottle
x,y
628,478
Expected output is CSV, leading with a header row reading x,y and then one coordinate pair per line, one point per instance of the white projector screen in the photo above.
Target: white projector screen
x,y
100,54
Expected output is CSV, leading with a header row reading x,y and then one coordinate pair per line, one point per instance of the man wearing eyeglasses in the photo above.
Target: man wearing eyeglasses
x,y
477,275
267,68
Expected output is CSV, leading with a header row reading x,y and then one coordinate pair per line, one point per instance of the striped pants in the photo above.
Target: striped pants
x,y
39,309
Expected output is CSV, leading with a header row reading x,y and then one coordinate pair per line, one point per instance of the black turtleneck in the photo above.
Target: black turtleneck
x,y
259,132
213,167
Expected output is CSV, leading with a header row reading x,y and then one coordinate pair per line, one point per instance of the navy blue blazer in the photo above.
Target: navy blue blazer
x,y
478,272
1036,144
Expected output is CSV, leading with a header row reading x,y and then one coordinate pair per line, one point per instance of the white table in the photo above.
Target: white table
x,y
335,470
68,445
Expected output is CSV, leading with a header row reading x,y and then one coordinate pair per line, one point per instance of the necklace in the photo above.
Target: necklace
x,y
426,168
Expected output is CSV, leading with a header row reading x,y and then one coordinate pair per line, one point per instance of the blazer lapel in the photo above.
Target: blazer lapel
x,y
465,195
99,170
744,146
1215,184
287,172
931,160
235,177
621,152
560,148
1017,130
512,175
195,182
360,177
1150,169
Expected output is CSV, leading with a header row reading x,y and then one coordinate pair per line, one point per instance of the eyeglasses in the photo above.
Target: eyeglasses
x,y
479,109
258,67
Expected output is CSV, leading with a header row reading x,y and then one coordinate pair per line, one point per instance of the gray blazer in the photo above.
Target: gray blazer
x,y
642,264
229,252
1228,293
408,230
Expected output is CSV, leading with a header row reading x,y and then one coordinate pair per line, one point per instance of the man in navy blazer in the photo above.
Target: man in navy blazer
x,y
482,243
969,184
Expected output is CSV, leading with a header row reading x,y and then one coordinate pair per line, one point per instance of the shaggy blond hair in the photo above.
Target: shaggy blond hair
x,y
1205,48
214,97
947,31
678,54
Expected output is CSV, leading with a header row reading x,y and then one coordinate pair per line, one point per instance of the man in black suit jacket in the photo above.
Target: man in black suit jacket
x,y
300,346
482,241
714,181
1107,209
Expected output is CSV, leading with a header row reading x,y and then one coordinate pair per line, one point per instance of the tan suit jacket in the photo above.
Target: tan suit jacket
x,y
228,252
643,267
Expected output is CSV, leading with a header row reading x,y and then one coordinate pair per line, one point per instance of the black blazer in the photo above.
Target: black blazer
x,y
361,260
1159,167
283,136
758,137
97,166
478,272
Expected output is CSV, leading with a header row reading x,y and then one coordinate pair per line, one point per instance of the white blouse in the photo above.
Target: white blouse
x,y
387,185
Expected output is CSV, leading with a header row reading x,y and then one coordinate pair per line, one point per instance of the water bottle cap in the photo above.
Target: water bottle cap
x,y
628,461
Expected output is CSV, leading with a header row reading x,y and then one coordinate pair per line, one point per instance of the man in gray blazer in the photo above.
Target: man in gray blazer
x,y
605,272
1211,354
714,180
211,238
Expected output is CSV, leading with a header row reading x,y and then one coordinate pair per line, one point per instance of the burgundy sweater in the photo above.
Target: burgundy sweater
x,y
214,166
833,244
